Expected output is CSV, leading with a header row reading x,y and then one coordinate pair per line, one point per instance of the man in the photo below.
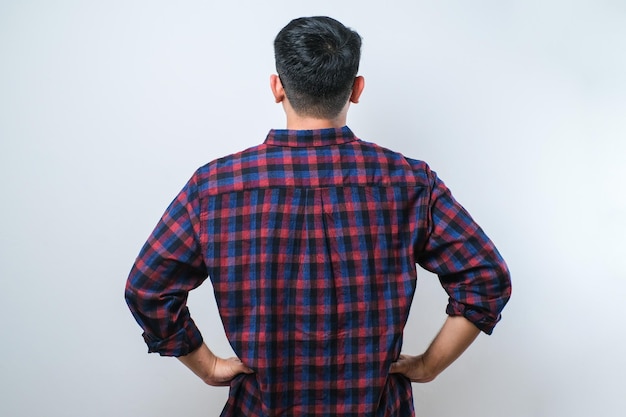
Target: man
x,y
311,241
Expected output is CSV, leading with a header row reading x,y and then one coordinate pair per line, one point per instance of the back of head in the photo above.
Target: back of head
x,y
317,59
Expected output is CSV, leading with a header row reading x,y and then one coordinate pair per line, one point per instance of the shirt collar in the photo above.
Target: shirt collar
x,y
304,138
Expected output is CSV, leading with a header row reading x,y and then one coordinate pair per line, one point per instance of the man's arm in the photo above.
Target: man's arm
x,y
169,265
454,337
211,369
472,272
469,267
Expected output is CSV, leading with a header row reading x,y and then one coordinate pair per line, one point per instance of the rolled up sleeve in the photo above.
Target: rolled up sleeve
x,y
469,266
169,265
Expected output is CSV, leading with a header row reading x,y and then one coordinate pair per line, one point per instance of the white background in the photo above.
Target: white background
x,y
107,108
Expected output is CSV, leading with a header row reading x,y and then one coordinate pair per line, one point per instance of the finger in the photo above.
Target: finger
x,y
396,368
240,367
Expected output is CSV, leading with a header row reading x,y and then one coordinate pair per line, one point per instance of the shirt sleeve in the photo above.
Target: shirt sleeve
x,y
169,265
469,266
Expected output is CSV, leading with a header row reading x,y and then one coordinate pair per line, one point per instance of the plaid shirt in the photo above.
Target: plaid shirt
x,y
311,241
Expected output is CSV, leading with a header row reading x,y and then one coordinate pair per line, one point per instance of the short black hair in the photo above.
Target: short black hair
x,y
317,59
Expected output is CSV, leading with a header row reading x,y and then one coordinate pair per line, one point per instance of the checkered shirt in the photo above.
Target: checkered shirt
x,y
311,241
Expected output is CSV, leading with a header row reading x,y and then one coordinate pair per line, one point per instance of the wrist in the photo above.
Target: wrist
x,y
427,368
201,362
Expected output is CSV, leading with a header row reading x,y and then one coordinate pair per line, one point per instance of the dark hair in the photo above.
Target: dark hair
x,y
317,59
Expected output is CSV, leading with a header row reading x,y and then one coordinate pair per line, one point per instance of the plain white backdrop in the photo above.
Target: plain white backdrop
x,y
107,108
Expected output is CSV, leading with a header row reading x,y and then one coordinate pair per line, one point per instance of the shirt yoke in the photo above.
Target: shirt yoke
x,y
356,163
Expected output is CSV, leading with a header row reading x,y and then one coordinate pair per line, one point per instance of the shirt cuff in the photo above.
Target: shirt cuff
x,y
482,319
181,343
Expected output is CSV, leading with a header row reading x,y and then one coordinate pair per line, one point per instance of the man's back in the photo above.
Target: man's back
x,y
311,241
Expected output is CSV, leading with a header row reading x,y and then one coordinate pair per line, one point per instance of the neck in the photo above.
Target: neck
x,y
302,122
314,124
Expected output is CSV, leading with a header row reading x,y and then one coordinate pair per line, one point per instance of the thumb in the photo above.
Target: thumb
x,y
243,368
246,370
396,368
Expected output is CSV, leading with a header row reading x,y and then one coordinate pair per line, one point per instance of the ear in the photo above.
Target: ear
x,y
277,88
357,89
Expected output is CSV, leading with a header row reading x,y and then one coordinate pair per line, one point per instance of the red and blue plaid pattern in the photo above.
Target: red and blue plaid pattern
x,y
311,241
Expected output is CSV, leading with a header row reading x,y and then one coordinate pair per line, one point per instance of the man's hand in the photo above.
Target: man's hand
x,y
225,370
211,369
413,367
454,337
